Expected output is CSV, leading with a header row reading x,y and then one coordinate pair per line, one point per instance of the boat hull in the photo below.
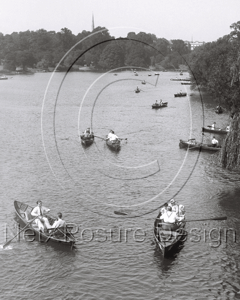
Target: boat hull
x,y
157,106
168,240
22,215
197,146
218,131
180,95
87,141
114,145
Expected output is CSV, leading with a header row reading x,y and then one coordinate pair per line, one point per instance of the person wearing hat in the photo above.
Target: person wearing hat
x,y
214,142
174,205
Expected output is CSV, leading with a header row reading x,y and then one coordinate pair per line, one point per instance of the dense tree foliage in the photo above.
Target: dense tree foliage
x,y
216,67
44,49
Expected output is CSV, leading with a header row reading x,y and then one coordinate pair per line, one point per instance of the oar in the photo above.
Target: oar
x,y
8,242
209,219
120,213
100,137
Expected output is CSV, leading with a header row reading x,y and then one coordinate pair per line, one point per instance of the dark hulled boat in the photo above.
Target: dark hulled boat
x,y
60,236
180,94
192,144
216,130
168,240
158,105
87,140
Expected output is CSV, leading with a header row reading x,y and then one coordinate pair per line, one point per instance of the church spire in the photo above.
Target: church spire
x,y
92,22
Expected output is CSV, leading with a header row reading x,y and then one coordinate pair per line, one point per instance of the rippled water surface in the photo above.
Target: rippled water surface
x,y
115,256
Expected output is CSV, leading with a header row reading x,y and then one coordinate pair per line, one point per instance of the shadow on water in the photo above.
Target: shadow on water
x,y
165,263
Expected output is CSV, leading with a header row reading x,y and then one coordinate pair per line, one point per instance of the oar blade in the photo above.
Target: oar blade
x,y
208,219
120,213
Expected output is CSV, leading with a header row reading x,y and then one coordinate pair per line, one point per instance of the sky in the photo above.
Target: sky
x,y
188,20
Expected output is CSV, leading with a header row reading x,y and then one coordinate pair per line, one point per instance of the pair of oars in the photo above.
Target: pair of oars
x,y
122,139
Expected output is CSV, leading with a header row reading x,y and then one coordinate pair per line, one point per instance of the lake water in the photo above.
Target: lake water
x,y
115,256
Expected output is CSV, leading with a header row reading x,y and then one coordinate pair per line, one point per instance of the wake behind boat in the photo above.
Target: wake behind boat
x,y
59,236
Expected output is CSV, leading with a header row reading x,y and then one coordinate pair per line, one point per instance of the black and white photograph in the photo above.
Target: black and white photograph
x,y
120,150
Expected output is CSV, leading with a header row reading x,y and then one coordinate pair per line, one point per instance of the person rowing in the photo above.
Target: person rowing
x,y
170,219
112,136
40,213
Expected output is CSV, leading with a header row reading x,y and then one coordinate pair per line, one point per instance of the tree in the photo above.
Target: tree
x,y
112,56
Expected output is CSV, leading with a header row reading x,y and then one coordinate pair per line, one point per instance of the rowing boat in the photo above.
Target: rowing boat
x,y
168,240
216,130
87,140
180,95
192,144
59,236
114,144
158,105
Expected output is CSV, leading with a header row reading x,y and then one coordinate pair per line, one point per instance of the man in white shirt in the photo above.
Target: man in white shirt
x,y
59,222
112,136
170,217
214,125
39,211
214,142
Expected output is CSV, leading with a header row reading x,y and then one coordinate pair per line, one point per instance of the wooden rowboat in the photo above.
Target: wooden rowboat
x,y
87,140
168,240
193,145
180,95
216,130
59,236
157,105
114,145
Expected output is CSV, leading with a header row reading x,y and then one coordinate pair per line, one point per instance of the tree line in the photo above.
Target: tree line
x,y
44,49
215,67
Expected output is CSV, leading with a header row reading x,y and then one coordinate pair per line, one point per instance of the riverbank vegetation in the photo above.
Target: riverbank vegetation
x,y
215,67
44,50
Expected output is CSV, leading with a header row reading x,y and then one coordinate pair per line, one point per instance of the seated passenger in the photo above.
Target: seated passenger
x,y
174,205
181,213
214,142
39,211
169,218
87,132
59,222
111,136
214,125
164,208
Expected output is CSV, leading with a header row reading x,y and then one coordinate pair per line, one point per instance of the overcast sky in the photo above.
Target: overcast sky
x,y
197,20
